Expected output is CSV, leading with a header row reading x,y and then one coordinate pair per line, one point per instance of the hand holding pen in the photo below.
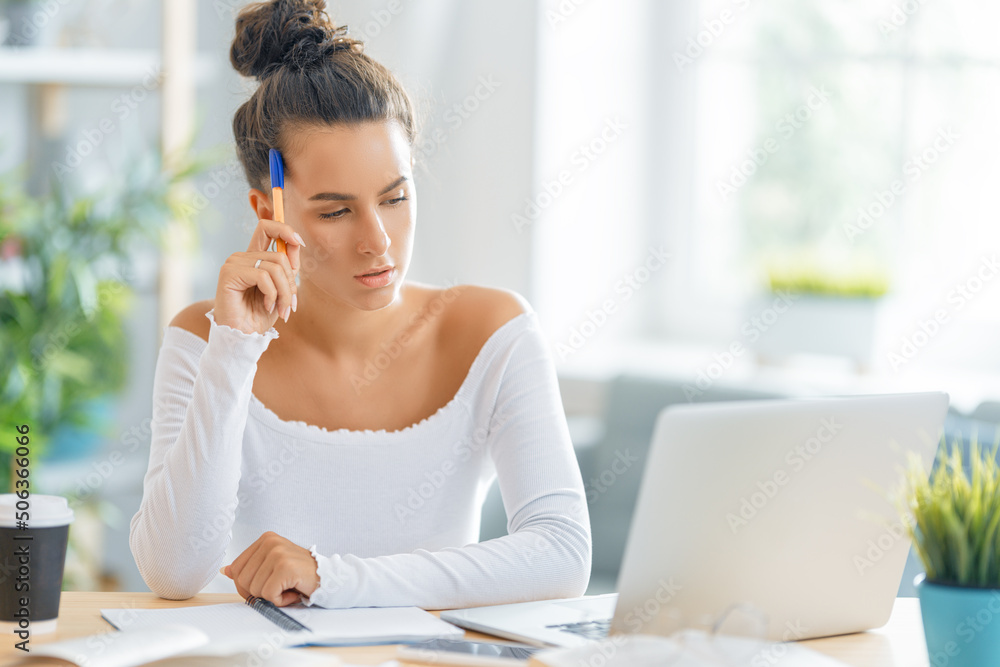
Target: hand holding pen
x,y
258,286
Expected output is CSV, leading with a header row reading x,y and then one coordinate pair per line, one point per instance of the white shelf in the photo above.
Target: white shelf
x,y
89,67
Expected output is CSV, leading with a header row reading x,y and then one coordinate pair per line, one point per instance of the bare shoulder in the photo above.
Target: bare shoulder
x,y
193,318
482,310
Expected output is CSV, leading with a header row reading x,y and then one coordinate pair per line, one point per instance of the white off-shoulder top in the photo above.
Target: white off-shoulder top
x,y
391,517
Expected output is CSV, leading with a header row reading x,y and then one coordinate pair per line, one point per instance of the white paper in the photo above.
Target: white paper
x,y
234,625
124,649
280,658
389,625
221,622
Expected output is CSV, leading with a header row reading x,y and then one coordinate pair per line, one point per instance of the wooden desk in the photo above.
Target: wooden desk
x,y
900,643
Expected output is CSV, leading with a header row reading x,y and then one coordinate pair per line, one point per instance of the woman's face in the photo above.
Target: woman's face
x,y
349,192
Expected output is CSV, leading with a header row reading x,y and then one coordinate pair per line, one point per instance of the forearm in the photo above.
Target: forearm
x,y
548,557
180,534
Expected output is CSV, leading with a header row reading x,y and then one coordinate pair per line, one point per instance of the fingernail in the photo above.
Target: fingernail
x,y
299,239
270,309
288,311
222,570
295,302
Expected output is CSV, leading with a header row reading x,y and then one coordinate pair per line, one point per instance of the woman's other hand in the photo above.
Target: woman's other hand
x,y
274,569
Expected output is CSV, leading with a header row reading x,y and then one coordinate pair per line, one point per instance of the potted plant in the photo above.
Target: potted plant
x,y
65,289
818,310
953,519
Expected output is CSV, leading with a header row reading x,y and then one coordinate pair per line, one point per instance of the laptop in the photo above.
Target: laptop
x,y
776,506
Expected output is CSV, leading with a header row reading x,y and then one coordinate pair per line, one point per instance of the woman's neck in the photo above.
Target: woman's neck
x,y
340,331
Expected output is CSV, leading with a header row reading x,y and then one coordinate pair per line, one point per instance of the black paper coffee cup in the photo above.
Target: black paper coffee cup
x,y
33,537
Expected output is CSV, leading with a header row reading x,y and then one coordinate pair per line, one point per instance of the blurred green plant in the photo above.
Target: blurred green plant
x,y
816,282
65,288
953,517
809,272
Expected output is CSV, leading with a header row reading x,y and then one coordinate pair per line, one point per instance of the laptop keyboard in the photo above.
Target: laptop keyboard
x,y
587,629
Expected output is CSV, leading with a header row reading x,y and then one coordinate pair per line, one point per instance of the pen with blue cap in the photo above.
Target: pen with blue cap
x,y
277,185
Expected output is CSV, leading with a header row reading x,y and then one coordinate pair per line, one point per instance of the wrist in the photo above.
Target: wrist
x,y
327,581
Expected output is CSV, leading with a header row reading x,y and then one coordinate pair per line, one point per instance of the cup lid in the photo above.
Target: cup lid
x,y
43,511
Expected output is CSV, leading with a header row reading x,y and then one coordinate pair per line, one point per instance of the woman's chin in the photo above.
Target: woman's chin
x,y
377,298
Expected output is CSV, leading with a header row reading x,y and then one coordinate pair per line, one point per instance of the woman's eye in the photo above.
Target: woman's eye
x,y
339,214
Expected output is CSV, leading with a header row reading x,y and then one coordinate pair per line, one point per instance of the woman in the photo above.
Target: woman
x,y
370,425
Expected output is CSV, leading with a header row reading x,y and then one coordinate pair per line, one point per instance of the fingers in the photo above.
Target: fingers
x,y
244,593
271,229
276,280
261,575
271,568
250,570
236,567
289,597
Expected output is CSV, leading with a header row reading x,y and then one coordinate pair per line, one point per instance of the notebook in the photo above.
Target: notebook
x,y
302,625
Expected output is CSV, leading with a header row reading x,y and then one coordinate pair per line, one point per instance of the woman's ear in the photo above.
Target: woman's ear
x,y
261,204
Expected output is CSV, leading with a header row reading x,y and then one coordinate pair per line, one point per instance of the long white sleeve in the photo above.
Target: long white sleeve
x,y
184,524
547,553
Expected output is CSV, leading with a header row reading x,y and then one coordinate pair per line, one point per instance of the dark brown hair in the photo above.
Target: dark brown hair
x,y
310,73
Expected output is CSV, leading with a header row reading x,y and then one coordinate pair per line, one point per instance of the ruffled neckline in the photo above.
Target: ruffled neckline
x,y
303,429
298,427
270,418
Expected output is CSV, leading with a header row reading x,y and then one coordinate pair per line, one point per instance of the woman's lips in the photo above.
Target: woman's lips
x,y
378,280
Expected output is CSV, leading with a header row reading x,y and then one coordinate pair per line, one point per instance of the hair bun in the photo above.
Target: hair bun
x,y
293,33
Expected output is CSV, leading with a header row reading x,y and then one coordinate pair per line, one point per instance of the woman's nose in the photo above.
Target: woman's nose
x,y
374,238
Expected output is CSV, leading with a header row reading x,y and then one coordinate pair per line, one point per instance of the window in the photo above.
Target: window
x,y
856,136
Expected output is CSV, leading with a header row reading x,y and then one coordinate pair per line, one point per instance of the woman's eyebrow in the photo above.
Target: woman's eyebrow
x,y
336,196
